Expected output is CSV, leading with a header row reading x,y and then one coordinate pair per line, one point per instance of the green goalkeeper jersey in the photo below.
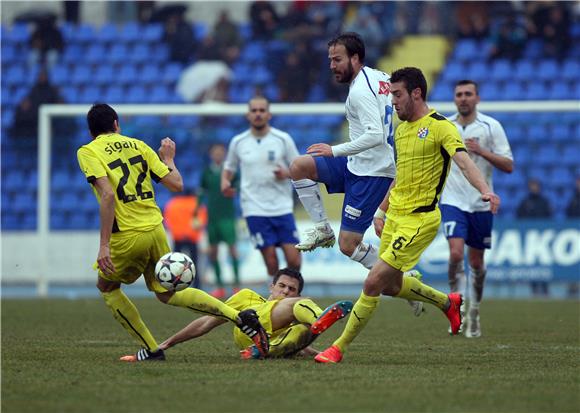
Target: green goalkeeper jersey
x,y
218,205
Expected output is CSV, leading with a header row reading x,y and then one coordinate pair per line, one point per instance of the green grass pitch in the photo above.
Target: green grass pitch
x,y
61,356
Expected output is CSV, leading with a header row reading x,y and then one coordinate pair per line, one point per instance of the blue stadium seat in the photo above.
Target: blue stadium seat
x,y
549,156
108,33
159,53
515,133
9,53
534,49
171,72
81,75
95,54
512,181
19,33
73,54
16,75
200,30
467,50
525,70
140,53
114,94
570,70
160,94
90,94
512,91
24,202
149,74
570,156
83,33
537,134
130,33
137,94
70,94
477,71
560,91
59,75
561,178
127,75
105,75
560,133
490,91
152,32
253,53
501,70
534,91
118,53
442,92
548,69
454,71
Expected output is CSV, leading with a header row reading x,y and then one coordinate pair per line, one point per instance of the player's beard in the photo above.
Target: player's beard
x,y
406,112
346,77
465,110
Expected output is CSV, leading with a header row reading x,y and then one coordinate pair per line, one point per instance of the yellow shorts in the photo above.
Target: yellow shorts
x,y
136,252
405,237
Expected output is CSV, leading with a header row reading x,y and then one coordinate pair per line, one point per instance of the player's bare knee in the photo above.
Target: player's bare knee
x,y
164,297
347,246
303,167
455,256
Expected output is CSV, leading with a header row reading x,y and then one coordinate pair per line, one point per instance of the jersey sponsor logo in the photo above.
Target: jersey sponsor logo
x,y
352,211
422,133
384,88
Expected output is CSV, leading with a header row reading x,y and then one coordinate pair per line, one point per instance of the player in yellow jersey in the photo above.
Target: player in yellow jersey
x,y
292,322
121,170
425,144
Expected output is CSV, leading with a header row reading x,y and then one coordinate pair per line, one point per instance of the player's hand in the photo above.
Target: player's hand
x,y
281,173
228,190
378,223
167,149
493,200
472,145
104,260
320,149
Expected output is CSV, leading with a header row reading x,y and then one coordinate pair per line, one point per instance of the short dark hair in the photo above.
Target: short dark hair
x,y
101,119
352,42
413,79
464,82
289,272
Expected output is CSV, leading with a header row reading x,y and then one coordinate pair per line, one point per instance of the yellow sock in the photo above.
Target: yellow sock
x,y
128,316
296,338
306,311
413,289
201,302
361,314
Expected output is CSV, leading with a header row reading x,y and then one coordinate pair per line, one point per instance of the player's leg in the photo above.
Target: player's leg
x,y
479,239
128,253
264,237
199,301
270,259
329,171
126,314
220,291
456,229
229,236
287,238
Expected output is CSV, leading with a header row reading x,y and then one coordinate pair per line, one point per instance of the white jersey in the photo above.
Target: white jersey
x,y
369,112
491,136
261,194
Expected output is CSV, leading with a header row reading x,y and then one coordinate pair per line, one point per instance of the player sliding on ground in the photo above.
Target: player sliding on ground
x,y
121,170
292,322
425,143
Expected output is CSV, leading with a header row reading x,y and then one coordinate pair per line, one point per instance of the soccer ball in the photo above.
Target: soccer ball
x,y
175,271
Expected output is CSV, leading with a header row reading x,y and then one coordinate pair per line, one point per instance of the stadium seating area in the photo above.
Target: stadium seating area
x,y
545,145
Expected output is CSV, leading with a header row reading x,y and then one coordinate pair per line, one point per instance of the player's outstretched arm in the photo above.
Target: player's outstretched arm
x,y
173,180
475,178
196,328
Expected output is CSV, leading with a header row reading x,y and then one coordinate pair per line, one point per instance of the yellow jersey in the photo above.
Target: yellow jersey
x,y
423,151
130,166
